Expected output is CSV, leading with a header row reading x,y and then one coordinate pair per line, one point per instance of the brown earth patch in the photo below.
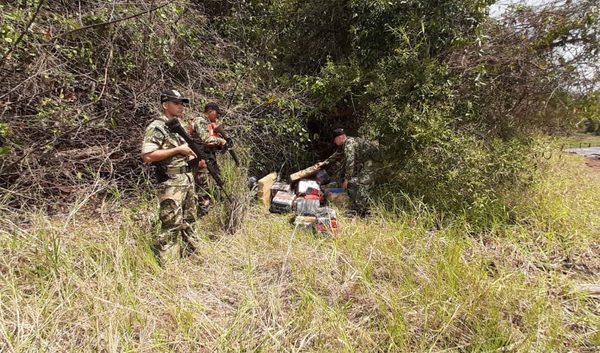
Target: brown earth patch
x,y
593,163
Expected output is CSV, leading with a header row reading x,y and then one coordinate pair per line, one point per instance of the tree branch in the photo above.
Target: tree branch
x,y
111,22
37,11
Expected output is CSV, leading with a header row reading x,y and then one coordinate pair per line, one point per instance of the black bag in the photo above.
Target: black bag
x,y
160,171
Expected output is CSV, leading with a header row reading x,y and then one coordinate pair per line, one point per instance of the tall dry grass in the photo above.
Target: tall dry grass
x,y
87,282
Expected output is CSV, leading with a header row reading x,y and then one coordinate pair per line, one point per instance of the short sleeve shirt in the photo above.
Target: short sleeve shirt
x,y
158,136
200,127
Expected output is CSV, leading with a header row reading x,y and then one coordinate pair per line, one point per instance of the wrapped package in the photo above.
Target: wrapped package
x,y
326,220
280,186
307,206
282,202
305,222
263,191
305,186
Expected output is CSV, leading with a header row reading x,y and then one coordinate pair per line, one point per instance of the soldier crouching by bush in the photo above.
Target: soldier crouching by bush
x,y
357,156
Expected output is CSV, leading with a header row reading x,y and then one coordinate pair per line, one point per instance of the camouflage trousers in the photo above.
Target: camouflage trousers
x,y
177,213
204,199
361,187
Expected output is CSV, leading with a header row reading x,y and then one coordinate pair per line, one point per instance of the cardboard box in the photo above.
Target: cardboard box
x,y
264,189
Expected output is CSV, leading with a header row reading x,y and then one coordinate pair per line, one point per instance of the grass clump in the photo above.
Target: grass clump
x,y
402,282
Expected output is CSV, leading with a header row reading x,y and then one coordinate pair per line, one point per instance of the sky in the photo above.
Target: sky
x,y
499,7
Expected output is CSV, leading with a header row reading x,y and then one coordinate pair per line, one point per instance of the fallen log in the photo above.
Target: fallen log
x,y
305,173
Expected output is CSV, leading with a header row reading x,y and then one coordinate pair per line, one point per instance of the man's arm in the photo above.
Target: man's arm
x,y
160,155
336,156
200,126
350,152
154,138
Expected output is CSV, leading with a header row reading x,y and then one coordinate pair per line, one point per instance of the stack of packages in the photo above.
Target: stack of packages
x,y
283,198
308,200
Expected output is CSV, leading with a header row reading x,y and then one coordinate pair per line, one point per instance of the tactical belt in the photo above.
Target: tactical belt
x,y
178,170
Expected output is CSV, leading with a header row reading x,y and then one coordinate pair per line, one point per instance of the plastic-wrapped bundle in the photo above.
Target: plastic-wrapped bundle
x,y
322,177
280,186
305,222
307,206
282,202
326,220
305,185
264,189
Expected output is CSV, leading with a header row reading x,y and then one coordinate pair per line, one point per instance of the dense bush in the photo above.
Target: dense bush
x,y
82,82
588,108
452,95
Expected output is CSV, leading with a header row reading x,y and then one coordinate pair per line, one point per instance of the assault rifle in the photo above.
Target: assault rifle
x,y
211,164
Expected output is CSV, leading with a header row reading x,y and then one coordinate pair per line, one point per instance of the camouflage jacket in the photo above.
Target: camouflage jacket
x,y
199,127
354,155
158,136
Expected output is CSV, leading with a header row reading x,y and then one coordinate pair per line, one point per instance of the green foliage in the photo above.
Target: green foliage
x,y
395,77
463,175
588,110
338,87
4,133
388,64
423,78
284,142
12,23
7,30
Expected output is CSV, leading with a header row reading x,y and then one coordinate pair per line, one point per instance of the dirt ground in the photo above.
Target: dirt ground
x,y
593,163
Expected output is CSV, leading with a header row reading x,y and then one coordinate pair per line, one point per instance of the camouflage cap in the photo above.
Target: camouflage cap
x,y
173,96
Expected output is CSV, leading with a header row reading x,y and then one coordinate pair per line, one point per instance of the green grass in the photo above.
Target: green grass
x,y
580,139
389,283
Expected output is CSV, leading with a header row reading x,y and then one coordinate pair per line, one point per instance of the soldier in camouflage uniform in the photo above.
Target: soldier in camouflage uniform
x,y
176,191
357,168
202,130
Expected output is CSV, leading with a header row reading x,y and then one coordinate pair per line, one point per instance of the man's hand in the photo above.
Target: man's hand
x,y
160,155
202,164
345,184
185,150
221,141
